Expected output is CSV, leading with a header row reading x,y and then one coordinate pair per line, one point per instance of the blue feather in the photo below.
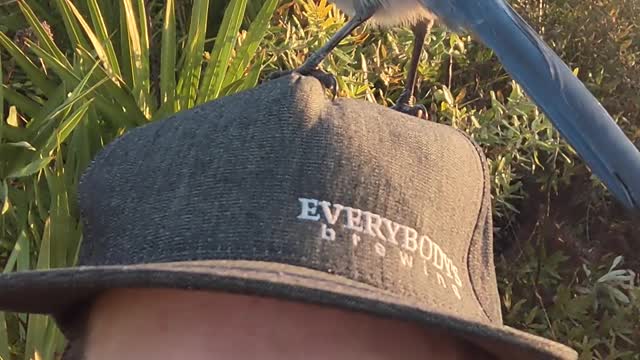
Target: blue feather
x,y
573,110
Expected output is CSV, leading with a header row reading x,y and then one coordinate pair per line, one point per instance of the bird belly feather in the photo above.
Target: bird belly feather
x,y
388,13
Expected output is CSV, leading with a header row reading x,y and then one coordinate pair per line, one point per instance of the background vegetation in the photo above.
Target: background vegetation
x,y
77,74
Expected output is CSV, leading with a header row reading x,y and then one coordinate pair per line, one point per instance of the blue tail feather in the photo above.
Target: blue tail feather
x,y
577,115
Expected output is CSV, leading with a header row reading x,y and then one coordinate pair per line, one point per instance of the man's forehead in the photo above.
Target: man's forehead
x,y
125,318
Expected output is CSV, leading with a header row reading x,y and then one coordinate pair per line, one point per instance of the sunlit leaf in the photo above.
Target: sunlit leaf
x,y
5,204
20,144
255,34
139,56
189,77
168,60
220,55
100,28
12,119
102,44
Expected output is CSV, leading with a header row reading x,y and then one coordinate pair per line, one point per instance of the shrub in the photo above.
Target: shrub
x,y
70,87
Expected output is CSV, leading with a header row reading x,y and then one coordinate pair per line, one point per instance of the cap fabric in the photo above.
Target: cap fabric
x,y
279,191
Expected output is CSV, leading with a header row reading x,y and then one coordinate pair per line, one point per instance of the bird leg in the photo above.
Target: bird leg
x,y
405,102
310,66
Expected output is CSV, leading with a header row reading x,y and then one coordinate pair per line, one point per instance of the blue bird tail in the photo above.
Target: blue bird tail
x,y
574,111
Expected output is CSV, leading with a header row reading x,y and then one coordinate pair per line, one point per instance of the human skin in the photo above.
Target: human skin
x,y
167,324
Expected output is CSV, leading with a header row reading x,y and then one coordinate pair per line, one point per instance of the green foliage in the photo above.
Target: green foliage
x,y
78,74
603,39
75,87
593,308
371,64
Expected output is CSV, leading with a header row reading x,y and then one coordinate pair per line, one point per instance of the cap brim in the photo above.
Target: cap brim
x,y
54,291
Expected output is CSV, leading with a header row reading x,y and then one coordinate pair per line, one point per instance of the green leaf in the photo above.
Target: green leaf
x,y
4,197
221,53
168,60
5,352
53,340
26,105
103,35
31,168
448,96
144,38
101,44
79,93
22,251
44,11
80,142
45,135
139,56
74,31
1,102
19,253
121,100
12,119
62,68
53,101
63,235
192,56
20,144
44,38
617,261
36,333
255,34
103,101
65,129
11,21
254,75
33,72
23,262
35,216
123,44
618,295
44,252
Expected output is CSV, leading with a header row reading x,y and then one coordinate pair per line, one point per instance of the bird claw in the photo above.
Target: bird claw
x,y
278,74
327,80
419,111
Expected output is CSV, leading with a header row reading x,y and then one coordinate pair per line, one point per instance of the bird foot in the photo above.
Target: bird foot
x,y
419,111
327,80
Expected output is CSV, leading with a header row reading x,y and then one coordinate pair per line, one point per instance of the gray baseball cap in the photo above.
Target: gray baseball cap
x,y
279,191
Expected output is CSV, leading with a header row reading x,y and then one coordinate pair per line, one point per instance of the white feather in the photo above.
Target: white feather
x,y
390,12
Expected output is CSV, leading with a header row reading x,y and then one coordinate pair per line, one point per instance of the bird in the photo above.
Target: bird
x,y
581,120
